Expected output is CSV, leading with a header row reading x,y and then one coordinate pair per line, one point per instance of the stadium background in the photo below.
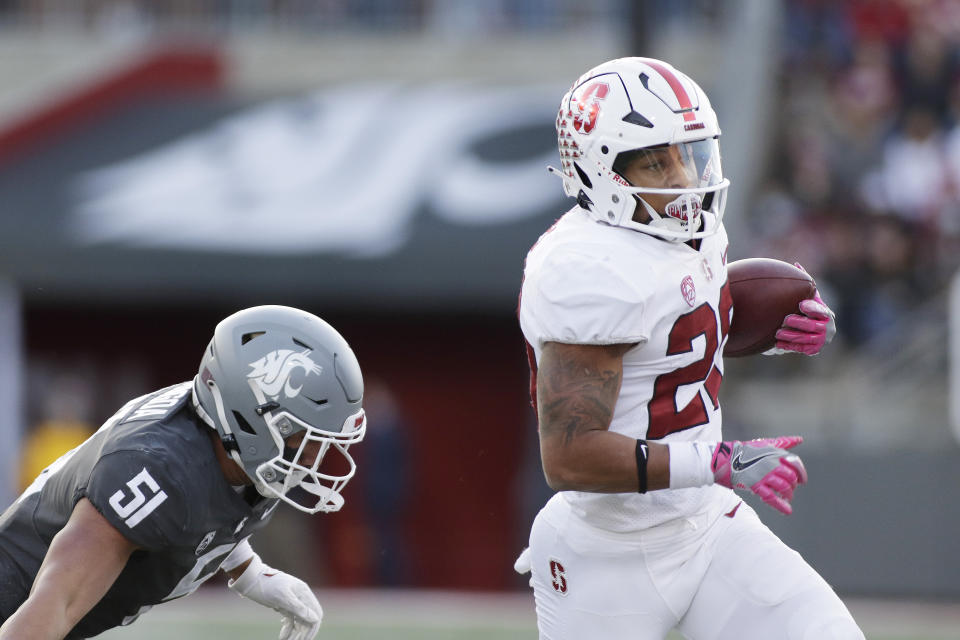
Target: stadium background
x,y
381,163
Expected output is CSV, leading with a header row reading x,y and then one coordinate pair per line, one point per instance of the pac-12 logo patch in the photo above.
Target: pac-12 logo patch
x,y
688,291
273,371
559,580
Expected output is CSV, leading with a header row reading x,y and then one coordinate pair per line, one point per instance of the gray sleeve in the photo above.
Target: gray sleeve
x,y
135,492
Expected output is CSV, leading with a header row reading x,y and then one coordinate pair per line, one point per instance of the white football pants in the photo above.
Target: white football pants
x,y
710,576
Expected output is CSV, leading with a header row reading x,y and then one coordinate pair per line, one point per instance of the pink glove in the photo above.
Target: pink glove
x,y
806,333
764,466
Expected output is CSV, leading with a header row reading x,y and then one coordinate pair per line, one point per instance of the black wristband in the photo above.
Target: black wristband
x,y
642,453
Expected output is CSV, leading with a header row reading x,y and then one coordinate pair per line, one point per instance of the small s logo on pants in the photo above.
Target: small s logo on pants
x,y
559,581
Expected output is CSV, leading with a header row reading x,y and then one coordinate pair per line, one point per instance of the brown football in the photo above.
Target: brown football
x,y
764,292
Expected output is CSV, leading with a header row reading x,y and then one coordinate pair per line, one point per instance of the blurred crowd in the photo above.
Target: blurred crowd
x,y
863,183
463,17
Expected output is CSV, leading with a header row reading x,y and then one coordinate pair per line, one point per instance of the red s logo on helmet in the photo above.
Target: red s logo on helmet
x,y
586,106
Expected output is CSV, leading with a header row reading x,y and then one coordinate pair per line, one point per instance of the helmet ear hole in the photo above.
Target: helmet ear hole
x,y
583,176
243,424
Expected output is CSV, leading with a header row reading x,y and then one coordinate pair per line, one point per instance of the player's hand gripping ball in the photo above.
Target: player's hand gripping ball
x,y
769,299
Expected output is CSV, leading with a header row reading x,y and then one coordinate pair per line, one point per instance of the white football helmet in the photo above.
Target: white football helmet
x,y
633,112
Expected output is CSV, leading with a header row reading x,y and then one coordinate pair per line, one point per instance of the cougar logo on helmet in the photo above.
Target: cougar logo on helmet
x,y
586,107
273,371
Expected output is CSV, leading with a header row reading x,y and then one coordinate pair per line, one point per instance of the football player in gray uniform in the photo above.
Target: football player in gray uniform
x,y
171,487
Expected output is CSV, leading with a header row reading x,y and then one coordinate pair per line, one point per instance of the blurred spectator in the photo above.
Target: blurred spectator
x,y
367,545
912,179
816,34
862,106
886,20
386,485
877,274
63,425
927,67
892,254
950,222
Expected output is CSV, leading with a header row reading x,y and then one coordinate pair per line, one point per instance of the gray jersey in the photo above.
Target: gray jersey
x,y
151,471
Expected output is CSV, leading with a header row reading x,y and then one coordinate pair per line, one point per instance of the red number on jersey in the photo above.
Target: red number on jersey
x,y
665,416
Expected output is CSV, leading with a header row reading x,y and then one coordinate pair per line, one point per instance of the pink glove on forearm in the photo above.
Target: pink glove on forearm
x,y
807,331
763,466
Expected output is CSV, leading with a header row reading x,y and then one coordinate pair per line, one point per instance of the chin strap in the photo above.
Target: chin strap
x,y
684,216
199,408
227,438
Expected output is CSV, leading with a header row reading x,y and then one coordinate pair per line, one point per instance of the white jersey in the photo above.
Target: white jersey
x,y
590,283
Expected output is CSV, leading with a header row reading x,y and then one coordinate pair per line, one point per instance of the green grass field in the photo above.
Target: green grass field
x,y
427,615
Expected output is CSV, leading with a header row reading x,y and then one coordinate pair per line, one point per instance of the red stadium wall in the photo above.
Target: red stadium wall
x,y
460,382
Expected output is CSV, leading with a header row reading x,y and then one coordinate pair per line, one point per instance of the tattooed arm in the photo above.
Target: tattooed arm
x,y
577,389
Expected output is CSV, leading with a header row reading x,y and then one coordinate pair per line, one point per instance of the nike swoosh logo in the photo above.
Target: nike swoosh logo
x,y
739,464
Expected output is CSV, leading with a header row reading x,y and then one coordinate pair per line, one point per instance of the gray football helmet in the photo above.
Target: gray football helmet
x,y
270,373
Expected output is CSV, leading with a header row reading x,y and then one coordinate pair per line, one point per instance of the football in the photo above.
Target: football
x,y
764,292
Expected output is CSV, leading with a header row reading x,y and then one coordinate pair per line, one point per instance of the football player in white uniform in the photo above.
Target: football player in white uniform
x,y
625,309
